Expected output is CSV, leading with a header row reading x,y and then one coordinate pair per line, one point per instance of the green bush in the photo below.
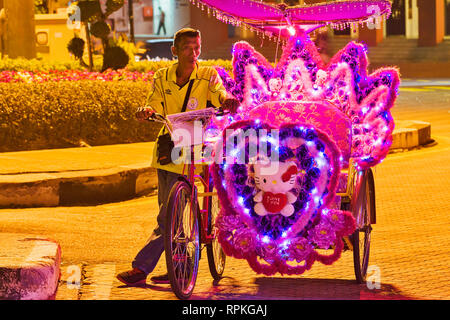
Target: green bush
x,y
58,114
21,64
66,114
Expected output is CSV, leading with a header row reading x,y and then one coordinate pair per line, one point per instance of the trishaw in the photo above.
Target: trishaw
x,y
287,180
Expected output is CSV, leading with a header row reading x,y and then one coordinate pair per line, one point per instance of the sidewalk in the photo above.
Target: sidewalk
x,y
76,176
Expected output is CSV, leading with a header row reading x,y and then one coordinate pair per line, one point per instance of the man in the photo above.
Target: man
x,y
170,88
162,21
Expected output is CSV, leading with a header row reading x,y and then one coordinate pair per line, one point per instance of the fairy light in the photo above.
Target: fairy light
x,y
291,30
320,162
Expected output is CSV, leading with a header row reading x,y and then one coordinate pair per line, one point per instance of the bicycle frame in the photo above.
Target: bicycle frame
x,y
191,178
205,238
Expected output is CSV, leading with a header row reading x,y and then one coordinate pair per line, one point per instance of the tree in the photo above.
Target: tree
x,y
76,47
94,21
41,6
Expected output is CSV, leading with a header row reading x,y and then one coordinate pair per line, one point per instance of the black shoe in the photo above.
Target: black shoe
x,y
134,277
163,279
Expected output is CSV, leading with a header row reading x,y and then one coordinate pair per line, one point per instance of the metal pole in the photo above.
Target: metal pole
x,y
131,19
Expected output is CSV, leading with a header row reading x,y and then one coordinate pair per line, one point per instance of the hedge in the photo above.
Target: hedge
x,y
56,105
69,113
36,65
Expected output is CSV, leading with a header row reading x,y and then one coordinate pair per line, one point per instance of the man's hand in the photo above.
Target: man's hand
x,y
231,105
144,113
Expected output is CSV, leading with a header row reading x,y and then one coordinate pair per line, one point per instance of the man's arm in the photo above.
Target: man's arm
x,y
218,94
154,101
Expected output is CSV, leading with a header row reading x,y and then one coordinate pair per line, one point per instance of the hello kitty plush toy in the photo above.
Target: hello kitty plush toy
x,y
321,77
275,183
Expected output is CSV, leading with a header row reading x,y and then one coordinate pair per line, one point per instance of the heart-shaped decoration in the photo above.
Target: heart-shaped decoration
x,y
274,203
266,213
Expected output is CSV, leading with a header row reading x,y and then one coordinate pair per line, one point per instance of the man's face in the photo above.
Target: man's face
x,y
188,49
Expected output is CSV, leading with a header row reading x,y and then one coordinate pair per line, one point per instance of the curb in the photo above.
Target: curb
x,y
94,187
77,188
29,267
410,134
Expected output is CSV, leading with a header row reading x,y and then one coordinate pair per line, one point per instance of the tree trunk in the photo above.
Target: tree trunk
x,y
20,29
89,46
131,20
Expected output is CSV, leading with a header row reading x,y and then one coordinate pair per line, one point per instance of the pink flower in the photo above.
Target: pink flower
x,y
323,234
299,249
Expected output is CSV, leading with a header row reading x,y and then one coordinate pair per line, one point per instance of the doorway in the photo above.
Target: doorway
x,y
396,25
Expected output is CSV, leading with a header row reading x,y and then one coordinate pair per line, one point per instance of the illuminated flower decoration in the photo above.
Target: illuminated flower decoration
x,y
244,241
300,75
323,234
299,249
335,218
242,232
323,115
298,98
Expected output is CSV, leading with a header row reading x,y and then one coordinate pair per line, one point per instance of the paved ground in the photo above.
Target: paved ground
x,y
410,250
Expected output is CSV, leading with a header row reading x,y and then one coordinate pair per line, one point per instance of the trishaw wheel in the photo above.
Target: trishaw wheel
x,y
182,240
216,256
362,235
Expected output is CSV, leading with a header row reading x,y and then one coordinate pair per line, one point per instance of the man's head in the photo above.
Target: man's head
x,y
187,45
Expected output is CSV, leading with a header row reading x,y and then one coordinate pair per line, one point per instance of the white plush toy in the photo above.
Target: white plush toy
x,y
321,77
275,183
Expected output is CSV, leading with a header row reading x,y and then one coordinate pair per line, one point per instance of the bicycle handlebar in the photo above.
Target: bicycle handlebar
x,y
157,117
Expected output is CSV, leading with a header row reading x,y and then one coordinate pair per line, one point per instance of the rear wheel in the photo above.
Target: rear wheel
x,y
363,209
182,240
216,256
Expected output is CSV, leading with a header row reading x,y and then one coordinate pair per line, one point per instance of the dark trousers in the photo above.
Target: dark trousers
x,y
163,26
149,255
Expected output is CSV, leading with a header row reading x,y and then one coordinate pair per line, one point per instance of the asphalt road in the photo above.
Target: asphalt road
x,y
410,251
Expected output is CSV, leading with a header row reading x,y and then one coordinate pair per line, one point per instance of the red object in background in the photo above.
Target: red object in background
x,y
147,12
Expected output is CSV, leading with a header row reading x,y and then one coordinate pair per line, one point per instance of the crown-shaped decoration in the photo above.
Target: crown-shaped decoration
x,y
301,75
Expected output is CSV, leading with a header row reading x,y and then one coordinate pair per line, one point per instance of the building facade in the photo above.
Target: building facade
x,y
428,21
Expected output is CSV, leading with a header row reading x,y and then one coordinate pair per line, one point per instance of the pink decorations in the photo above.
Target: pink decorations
x,y
281,214
300,76
298,124
274,20
305,120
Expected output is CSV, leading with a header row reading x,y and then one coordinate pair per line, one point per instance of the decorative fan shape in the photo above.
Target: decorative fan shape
x,y
300,75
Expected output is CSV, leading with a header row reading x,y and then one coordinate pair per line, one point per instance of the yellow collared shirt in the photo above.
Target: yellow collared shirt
x,y
167,97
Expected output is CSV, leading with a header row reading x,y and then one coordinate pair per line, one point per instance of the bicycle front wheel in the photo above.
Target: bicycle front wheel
x,y
182,240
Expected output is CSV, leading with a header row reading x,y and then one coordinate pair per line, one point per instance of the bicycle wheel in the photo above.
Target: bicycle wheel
x,y
181,240
362,235
214,251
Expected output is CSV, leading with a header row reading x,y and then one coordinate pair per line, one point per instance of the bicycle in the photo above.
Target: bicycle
x,y
187,226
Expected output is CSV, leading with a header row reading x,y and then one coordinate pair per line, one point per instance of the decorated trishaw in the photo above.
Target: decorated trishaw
x,y
287,179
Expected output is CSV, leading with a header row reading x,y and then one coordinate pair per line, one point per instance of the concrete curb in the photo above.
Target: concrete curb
x,y
29,267
77,188
126,182
410,134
